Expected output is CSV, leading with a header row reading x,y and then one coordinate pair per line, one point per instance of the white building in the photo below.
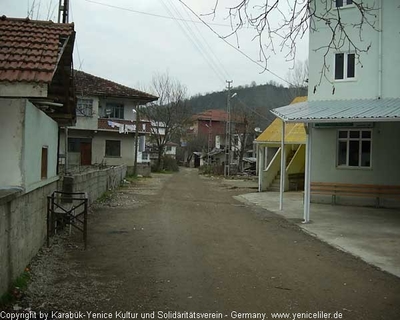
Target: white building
x,y
106,124
32,103
36,97
352,112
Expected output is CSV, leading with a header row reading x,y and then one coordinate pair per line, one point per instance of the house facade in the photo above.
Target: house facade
x,y
106,127
37,97
352,114
32,96
364,152
208,128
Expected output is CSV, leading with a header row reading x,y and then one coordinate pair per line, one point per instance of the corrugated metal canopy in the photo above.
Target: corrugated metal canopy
x,y
357,110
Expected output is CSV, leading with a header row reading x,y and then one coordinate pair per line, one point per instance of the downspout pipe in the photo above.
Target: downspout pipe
x,y
380,49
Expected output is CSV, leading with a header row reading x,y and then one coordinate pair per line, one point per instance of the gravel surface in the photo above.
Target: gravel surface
x,y
182,243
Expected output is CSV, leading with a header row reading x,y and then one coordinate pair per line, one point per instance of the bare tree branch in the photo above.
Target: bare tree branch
x,y
295,18
169,114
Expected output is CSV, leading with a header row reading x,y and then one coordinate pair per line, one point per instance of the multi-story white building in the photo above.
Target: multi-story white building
x,y
353,107
106,124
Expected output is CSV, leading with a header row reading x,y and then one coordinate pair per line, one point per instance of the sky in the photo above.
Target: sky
x,y
131,47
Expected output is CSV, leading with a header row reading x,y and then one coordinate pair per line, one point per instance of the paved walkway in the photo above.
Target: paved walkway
x,y
368,233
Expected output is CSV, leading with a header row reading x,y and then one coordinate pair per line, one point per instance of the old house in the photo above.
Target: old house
x,y
352,117
208,129
36,98
106,128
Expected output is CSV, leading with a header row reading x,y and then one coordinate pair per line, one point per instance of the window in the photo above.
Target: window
x,y
354,148
74,145
43,173
345,66
84,107
341,3
113,148
115,110
169,148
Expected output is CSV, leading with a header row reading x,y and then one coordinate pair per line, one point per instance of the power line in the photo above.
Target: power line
x,y
76,40
254,111
195,42
150,14
231,45
213,55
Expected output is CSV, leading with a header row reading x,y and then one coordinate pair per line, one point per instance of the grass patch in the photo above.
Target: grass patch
x,y
132,178
164,171
18,286
105,197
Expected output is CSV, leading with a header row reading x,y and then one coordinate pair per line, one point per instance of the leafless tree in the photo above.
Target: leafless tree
x,y
298,79
279,24
169,114
244,119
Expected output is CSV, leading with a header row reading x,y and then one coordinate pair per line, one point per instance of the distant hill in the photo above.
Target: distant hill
x,y
257,99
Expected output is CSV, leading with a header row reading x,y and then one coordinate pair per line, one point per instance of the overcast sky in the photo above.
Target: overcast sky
x,y
129,47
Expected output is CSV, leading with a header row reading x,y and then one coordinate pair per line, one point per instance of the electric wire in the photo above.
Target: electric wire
x,y
149,14
209,47
232,46
217,67
265,117
194,43
203,47
76,40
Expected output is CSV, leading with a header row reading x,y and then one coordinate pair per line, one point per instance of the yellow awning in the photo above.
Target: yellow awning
x,y
294,132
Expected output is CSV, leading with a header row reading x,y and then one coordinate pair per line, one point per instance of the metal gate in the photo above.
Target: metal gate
x,y
65,208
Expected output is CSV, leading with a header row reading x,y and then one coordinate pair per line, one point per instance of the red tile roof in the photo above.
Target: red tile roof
x,y
103,124
90,85
29,49
214,115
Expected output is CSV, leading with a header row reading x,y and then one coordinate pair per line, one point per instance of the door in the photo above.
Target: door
x,y
86,153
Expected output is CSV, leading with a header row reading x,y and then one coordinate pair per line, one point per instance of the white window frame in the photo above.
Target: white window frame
x,y
84,107
347,140
345,64
117,110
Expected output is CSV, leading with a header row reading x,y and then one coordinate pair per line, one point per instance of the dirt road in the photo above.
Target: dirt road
x,y
182,243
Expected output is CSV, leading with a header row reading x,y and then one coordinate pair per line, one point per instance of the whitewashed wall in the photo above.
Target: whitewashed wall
x,y
365,83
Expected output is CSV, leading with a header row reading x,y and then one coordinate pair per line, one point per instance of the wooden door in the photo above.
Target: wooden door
x,y
86,153
44,163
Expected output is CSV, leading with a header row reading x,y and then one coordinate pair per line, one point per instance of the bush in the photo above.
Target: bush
x,y
214,169
170,164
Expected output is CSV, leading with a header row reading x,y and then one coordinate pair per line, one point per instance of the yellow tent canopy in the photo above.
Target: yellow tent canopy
x,y
295,133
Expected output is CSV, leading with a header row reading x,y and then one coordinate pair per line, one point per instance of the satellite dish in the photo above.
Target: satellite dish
x,y
257,129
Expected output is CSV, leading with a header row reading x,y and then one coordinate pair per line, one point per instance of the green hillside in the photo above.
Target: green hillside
x,y
254,99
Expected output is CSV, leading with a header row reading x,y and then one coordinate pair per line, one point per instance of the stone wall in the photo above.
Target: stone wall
x,y
23,218
96,182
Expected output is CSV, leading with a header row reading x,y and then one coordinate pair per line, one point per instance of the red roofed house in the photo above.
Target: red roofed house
x,y
210,127
36,97
106,123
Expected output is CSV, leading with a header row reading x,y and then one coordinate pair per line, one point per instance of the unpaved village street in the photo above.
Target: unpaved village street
x,y
181,242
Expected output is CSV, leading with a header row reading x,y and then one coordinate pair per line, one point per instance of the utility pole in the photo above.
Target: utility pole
x,y
136,140
228,143
63,10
